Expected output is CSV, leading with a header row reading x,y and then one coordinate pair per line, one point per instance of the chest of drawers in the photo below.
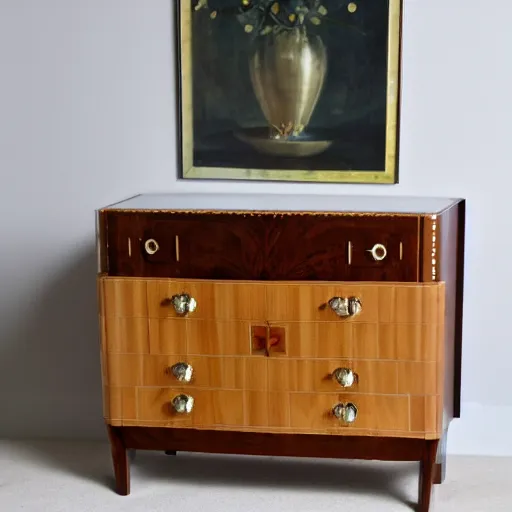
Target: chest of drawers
x,y
282,325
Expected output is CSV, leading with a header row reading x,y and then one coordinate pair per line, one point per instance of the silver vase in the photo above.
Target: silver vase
x,y
288,70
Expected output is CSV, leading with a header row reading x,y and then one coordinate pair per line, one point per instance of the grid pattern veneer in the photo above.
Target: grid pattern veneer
x,y
394,346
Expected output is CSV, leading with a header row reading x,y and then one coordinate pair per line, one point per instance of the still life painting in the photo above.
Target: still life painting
x,y
289,90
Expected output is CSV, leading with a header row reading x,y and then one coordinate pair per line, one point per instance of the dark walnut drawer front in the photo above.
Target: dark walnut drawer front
x,y
263,247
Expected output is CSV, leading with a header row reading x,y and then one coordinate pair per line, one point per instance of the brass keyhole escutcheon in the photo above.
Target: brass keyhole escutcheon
x,y
151,246
378,252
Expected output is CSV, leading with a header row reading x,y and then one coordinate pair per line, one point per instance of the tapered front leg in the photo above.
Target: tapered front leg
x,y
120,461
427,465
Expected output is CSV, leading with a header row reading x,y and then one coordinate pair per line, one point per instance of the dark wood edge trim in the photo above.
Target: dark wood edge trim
x,y
461,240
283,445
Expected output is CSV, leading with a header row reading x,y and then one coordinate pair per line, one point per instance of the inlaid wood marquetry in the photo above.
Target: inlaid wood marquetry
x,y
316,326
276,352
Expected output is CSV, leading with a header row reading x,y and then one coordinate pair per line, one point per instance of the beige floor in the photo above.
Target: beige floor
x,y
68,477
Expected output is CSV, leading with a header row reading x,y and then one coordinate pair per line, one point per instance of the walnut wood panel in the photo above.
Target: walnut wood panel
x,y
384,303
259,443
255,247
192,246
294,445
309,247
442,259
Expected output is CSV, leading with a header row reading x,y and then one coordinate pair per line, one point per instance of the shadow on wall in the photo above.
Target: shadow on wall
x,y
50,376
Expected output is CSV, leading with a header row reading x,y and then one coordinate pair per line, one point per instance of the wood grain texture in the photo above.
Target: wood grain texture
x,y
245,409
443,242
141,341
262,247
261,443
262,343
427,463
119,460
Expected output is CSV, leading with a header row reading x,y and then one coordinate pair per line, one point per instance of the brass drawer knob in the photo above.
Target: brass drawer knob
x,y
151,246
183,404
346,306
345,377
378,252
345,412
183,303
182,371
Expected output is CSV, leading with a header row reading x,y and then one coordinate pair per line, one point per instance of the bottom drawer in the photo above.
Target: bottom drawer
x,y
210,407
374,412
235,409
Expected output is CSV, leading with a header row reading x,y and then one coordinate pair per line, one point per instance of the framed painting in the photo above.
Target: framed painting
x,y
289,90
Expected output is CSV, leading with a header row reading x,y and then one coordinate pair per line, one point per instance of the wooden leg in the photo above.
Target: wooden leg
x,y
440,465
120,461
427,474
170,452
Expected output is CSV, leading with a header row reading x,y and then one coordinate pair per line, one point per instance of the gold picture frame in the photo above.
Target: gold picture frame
x,y
195,21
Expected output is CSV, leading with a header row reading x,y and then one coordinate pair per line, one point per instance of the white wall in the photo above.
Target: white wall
x,y
87,118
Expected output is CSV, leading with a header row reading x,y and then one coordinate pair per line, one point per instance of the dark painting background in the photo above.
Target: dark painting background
x,y
351,108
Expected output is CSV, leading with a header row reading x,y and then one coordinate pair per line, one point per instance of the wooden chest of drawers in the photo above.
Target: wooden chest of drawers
x,y
284,325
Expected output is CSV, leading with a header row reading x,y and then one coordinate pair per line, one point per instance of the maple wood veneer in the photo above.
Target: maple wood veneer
x,y
252,326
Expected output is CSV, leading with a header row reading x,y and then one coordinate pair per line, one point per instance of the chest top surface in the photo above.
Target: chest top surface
x,y
284,203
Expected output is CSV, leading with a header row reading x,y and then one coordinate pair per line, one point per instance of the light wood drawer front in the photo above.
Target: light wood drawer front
x,y
123,297
271,301
383,303
208,372
223,300
317,376
215,300
407,342
275,374
219,337
414,416
211,407
399,342
375,412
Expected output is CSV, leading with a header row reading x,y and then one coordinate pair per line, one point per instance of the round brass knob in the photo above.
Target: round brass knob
x,y
345,412
182,371
183,404
183,303
346,306
345,377
378,252
151,246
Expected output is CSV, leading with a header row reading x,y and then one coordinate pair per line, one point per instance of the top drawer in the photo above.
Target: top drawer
x,y
292,247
